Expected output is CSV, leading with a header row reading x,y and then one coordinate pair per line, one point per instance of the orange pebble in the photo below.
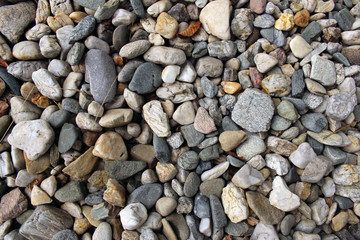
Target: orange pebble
x,y
231,87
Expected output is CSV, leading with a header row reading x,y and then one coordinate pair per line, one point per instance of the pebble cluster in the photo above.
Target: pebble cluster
x,y
193,119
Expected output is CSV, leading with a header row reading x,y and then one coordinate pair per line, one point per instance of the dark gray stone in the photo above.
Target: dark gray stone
x,y
343,202
192,137
311,32
45,222
292,176
107,10
203,166
83,29
229,125
234,161
246,60
202,206
217,212
72,192
188,160
138,8
200,49
228,101
10,81
210,153
279,123
299,104
92,4
355,230
209,88
344,234
146,194
191,185
127,72
58,118
179,12
161,148
236,229
264,21
68,135
120,37
336,155
146,79
75,53
287,223
274,36
297,84
94,198
344,19
213,186
66,234
23,69
339,57
71,105
100,76
105,32
314,121
121,170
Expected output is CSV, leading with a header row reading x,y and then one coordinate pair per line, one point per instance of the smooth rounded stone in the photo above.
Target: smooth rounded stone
x,y
157,119
302,155
103,231
5,50
59,68
188,160
58,6
184,114
72,83
116,118
209,88
252,146
209,67
267,213
281,197
264,21
22,137
247,176
13,26
319,211
175,140
314,121
191,185
133,216
200,50
327,137
149,72
336,155
170,73
49,47
134,49
237,229
121,170
161,148
93,42
146,194
45,222
234,202
100,76
94,198
24,69
216,24
262,230
306,226
87,122
277,163
83,29
66,234
105,150
279,123
277,85
215,172
47,84
323,71
71,192
123,17
301,235
71,105
212,186
75,53
340,106
24,178
6,166
210,153
120,36
229,140
316,169
128,71
165,55
62,35
344,203
246,111
354,230
280,146
148,234
68,136
287,110
287,224
166,25
49,185
27,50
165,206
265,62
202,206
58,21
106,11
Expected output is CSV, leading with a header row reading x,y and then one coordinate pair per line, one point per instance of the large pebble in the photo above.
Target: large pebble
x,y
104,147
281,197
47,84
27,50
234,202
157,118
146,79
165,55
133,216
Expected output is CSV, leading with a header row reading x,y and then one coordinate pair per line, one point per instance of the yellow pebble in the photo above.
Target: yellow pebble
x,y
231,87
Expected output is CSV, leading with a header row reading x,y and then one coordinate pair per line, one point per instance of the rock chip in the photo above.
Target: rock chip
x,y
156,118
316,169
302,155
253,111
340,106
323,71
234,202
12,205
146,194
231,139
115,193
209,67
71,192
265,62
166,25
104,147
281,197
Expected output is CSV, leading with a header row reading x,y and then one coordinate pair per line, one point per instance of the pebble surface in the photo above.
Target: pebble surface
x,y
179,120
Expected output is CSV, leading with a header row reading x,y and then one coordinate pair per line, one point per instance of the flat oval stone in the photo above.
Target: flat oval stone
x,y
146,79
121,170
100,73
165,55
146,194
68,136
134,49
27,50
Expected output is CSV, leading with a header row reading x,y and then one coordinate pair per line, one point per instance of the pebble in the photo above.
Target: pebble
x,y
217,212
209,67
314,121
302,155
49,47
165,206
116,118
191,185
165,55
265,62
278,163
319,211
344,101
68,136
27,50
274,36
133,216
247,176
258,6
100,72
215,172
246,112
149,71
188,160
264,21
222,49
277,85
71,192
299,47
234,202
281,197
134,49
318,73
103,231
264,230
267,213
252,146
157,118
166,25
123,17
285,22
184,113
104,147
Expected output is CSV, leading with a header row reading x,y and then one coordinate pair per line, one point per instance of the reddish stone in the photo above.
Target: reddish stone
x,y
89,138
258,6
256,77
4,108
12,205
280,55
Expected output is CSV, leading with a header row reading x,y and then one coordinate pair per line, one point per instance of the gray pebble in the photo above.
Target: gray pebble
x,y
188,160
58,118
217,212
146,194
83,29
71,192
161,148
66,234
146,79
68,136
191,185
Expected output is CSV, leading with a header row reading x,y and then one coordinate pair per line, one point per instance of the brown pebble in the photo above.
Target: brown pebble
x,y
89,138
4,108
301,18
12,205
331,34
